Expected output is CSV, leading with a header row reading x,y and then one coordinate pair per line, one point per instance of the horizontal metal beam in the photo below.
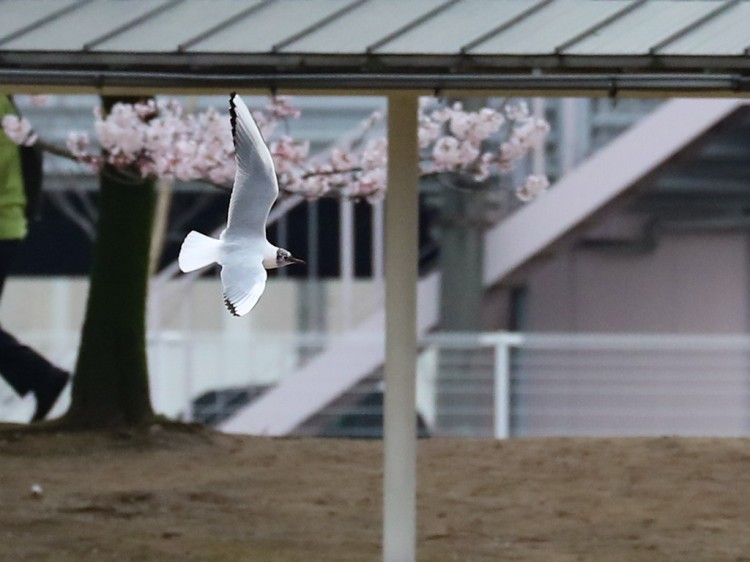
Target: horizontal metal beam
x,y
590,341
377,83
290,61
689,189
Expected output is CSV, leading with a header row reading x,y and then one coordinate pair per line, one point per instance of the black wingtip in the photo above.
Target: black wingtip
x,y
230,307
233,113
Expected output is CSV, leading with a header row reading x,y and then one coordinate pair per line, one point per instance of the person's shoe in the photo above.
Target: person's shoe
x,y
48,395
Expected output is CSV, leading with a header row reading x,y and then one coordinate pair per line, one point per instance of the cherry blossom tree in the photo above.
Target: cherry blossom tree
x,y
137,141
159,139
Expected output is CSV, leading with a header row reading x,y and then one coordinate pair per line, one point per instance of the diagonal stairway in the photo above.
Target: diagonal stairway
x,y
589,187
598,180
342,365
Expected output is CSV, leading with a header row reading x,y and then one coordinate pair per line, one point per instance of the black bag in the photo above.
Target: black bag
x,y
32,168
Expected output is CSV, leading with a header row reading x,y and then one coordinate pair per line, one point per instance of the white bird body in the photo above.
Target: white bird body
x,y
242,250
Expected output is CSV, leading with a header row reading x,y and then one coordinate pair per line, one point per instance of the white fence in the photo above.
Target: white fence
x,y
592,384
474,384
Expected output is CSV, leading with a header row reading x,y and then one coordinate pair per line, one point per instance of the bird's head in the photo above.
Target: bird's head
x,y
285,257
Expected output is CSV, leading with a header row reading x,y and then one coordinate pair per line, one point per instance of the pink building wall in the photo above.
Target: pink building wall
x,y
691,283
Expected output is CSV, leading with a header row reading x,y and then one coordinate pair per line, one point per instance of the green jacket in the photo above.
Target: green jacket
x,y
12,198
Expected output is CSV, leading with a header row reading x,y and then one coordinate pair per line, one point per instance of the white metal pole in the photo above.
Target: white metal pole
x,y
569,134
346,261
539,163
378,267
401,254
187,348
502,389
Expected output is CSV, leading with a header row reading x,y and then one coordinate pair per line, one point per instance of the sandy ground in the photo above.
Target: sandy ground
x,y
191,494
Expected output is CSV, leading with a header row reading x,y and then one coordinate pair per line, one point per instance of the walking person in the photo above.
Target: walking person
x,y
25,370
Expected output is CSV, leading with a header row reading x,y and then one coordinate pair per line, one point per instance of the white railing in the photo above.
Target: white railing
x,y
472,384
501,344
595,384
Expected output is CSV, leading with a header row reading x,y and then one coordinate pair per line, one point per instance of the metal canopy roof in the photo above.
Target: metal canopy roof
x,y
566,45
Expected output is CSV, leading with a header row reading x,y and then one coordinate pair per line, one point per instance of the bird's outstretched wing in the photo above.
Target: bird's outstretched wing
x,y
243,284
255,186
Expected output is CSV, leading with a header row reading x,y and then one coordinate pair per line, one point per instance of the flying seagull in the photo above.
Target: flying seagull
x,y
242,249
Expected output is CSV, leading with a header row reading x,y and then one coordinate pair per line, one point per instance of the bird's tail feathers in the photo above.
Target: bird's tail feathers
x,y
198,250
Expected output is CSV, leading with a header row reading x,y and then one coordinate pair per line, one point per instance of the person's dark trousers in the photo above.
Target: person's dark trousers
x,y
22,367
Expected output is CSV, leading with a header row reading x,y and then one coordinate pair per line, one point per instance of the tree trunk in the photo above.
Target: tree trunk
x,y
111,378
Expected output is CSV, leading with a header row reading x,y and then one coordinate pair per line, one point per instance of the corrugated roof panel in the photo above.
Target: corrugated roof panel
x,y
269,26
727,34
95,44
450,30
363,26
641,29
71,31
17,14
167,30
550,27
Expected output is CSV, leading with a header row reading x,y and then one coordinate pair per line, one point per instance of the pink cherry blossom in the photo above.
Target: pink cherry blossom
x,y
532,187
445,153
483,168
429,130
372,185
289,154
460,124
78,144
487,121
510,151
39,100
158,138
147,109
517,109
280,108
530,132
18,129
375,154
468,153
